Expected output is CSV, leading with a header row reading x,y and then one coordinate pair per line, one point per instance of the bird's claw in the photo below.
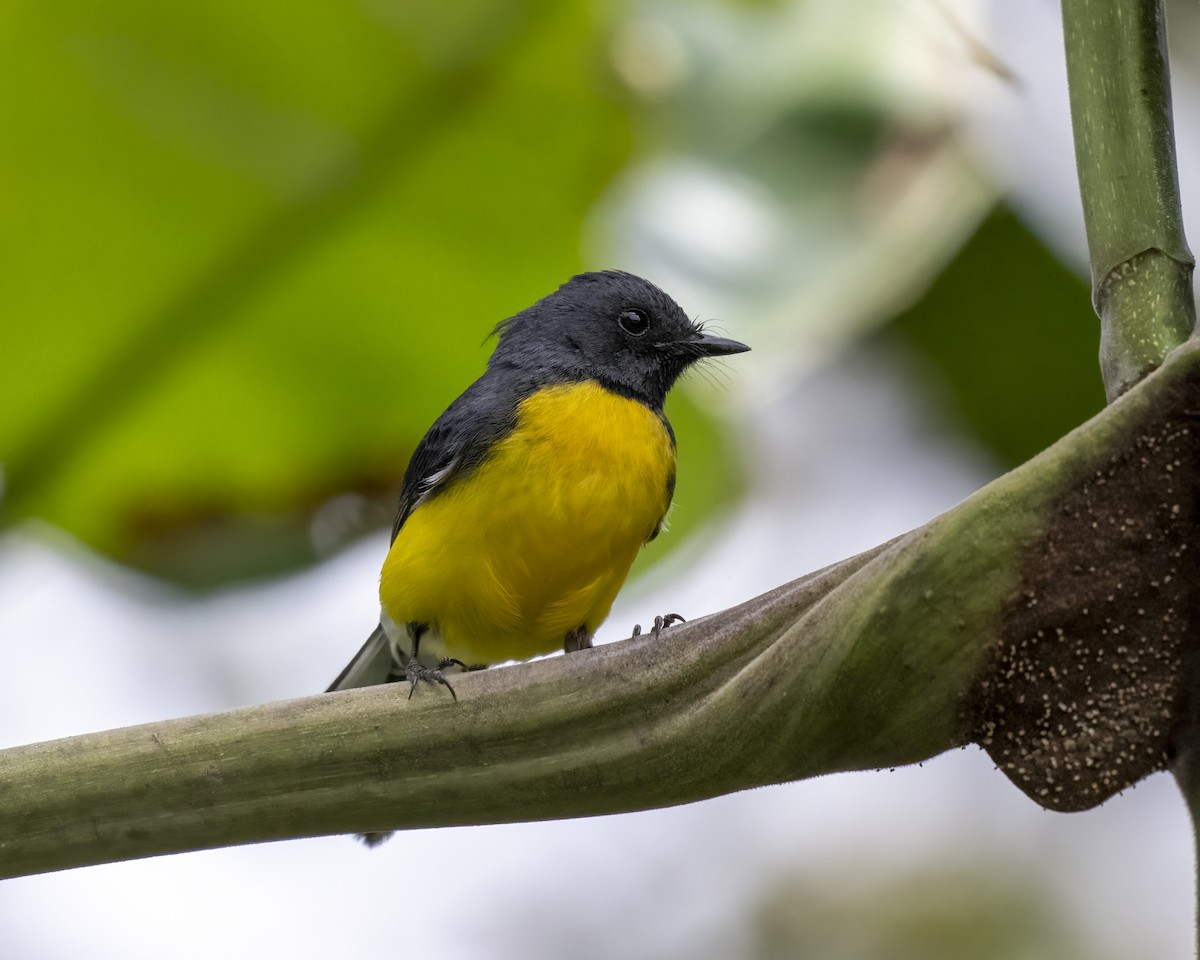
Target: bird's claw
x,y
660,624
416,671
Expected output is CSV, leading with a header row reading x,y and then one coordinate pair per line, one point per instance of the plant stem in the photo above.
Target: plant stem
x,y
1125,155
883,659
1141,265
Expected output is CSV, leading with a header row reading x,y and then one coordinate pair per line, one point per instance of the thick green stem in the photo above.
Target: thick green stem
x,y
886,658
708,708
1125,154
1128,178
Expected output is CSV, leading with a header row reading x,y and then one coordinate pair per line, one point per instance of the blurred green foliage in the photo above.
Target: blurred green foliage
x,y
930,913
1013,339
252,251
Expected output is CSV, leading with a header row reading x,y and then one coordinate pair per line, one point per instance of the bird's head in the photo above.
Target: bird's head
x,y
612,327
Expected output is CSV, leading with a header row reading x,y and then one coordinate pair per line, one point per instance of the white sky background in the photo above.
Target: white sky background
x,y
849,459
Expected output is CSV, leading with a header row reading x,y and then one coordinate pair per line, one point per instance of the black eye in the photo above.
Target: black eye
x,y
634,322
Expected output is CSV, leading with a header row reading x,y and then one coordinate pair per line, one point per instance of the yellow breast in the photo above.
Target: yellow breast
x,y
537,541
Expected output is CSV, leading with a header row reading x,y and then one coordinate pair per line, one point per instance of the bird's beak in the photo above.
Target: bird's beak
x,y
709,346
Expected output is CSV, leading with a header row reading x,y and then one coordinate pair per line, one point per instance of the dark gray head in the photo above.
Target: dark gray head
x,y
612,327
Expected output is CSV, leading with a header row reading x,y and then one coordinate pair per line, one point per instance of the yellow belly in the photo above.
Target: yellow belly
x,y
538,540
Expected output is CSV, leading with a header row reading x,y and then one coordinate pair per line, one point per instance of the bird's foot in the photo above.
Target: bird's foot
x,y
660,624
578,639
375,839
416,671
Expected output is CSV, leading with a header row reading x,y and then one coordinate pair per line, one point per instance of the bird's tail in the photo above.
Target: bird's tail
x,y
371,665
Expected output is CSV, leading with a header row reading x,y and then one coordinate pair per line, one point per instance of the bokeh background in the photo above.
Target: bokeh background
x,y
250,251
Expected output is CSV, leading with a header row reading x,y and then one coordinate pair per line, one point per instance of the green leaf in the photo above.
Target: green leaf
x,y
1016,360
251,265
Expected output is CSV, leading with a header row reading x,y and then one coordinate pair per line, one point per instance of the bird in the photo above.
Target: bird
x,y
528,499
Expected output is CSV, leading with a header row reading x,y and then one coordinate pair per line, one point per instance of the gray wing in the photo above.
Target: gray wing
x,y
456,444
458,441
